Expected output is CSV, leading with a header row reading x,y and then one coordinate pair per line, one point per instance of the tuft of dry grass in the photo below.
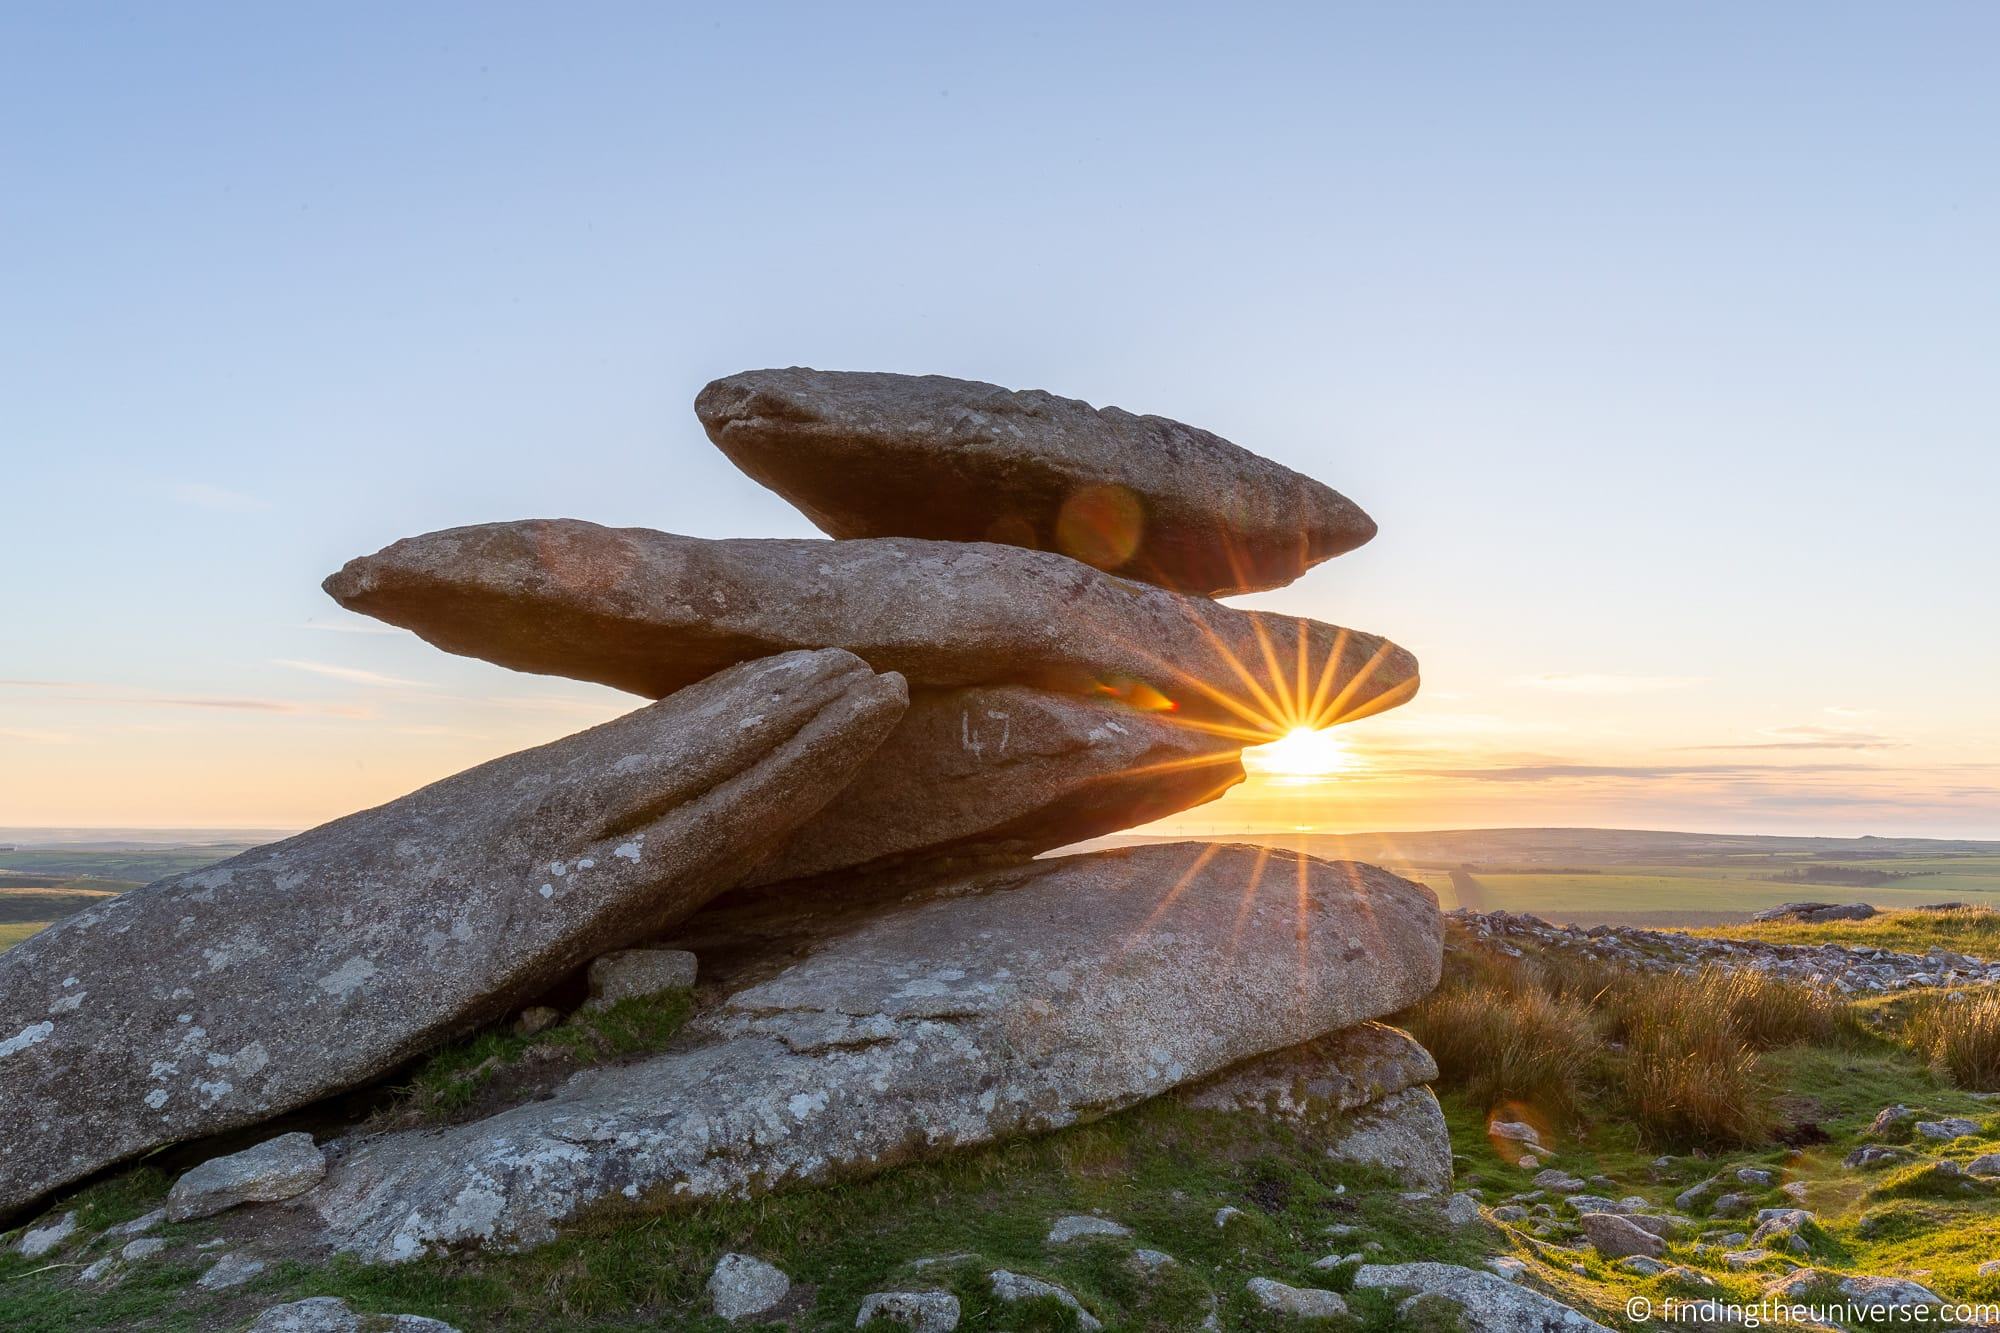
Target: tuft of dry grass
x,y
1511,1044
1690,1075
1960,1038
1675,1054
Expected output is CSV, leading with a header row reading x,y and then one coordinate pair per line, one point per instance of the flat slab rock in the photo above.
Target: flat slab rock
x,y
275,1169
1013,1002
865,454
314,964
1485,1302
652,612
1003,773
330,1314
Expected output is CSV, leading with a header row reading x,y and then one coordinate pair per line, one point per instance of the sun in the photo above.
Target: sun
x,y
1302,753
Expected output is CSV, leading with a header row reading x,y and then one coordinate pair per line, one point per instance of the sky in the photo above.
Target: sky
x,y
1658,339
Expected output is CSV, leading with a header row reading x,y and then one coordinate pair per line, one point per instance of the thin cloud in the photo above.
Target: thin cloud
x,y
91,692
1588,682
204,496
356,675
35,736
1629,772
1811,736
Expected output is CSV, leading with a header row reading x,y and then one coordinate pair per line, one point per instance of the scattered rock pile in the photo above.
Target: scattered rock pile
x,y
1008,646
1845,967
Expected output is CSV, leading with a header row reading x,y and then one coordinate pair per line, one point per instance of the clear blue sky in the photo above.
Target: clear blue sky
x,y
1660,340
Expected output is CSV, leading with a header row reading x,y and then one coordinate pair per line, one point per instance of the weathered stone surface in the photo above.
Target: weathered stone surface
x,y
1944,1131
1326,1076
330,1314
313,964
1487,1302
1815,912
1405,1132
651,612
1079,1225
275,1169
38,1241
536,1018
1862,1288
865,454
1011,1287
1616,1236
1013,1002
744,1286
999,773
928,1311
1301,1302
628,974
231,1270
143,1248
139,1225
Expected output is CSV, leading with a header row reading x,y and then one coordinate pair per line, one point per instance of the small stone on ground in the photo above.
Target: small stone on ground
x,y
742,1287
923,1311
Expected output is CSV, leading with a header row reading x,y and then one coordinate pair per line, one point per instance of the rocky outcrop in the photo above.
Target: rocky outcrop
x,y
860,744
864,454
1011,1002
1810,912
1003,773
1846,968
651,612
220,998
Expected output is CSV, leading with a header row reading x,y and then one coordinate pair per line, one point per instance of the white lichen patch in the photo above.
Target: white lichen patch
x,y
629,850
350,974
156,1098
26,1037
69,1004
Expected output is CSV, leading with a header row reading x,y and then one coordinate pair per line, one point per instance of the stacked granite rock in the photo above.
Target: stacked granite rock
x,y
1010,645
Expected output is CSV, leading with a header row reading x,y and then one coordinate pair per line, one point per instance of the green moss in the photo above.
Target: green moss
x,y
453,1079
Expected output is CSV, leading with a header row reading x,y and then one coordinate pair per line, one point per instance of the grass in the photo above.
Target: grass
x,y
1162,1169
1960,1037
13,932
460,1077
1677,1057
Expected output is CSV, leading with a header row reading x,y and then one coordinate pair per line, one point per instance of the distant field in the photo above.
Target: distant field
x,y
47,884
46,904
1623,877
1685,895
1589,876
131,867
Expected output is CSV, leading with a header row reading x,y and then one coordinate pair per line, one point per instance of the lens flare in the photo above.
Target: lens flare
x,y
1303,753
